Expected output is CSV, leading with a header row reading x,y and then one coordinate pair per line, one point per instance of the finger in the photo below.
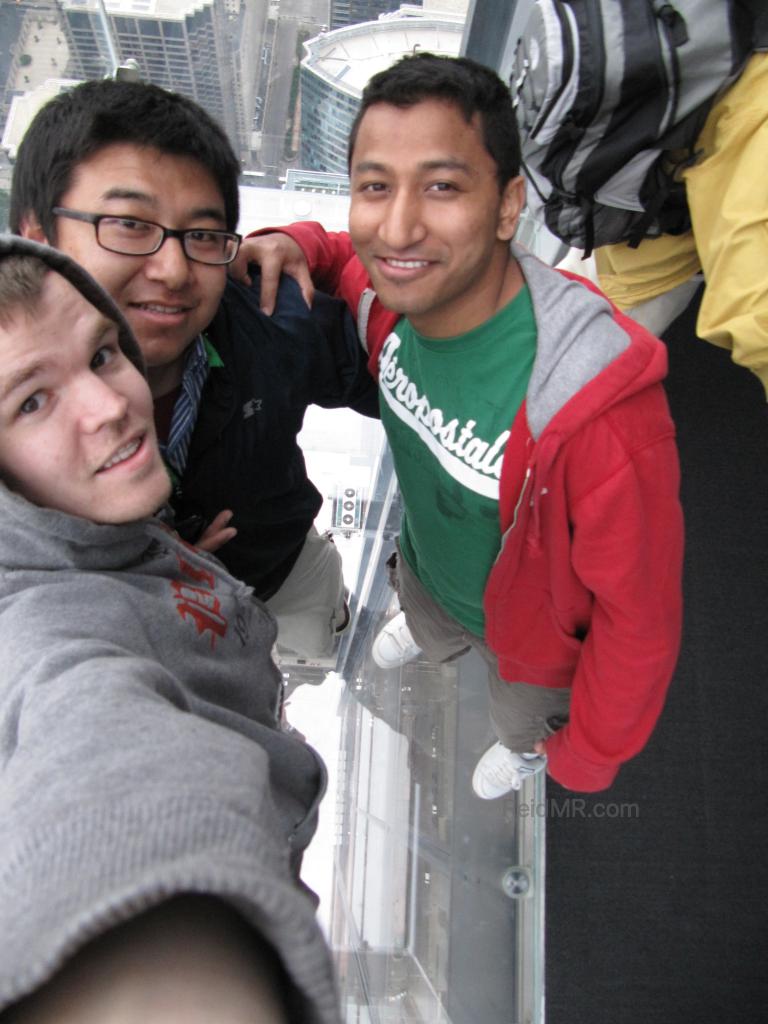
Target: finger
x,y
270,278
238,269
213,541
222,519
218,532
305,284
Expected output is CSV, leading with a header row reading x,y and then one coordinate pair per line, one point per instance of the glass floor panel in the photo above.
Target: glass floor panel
x,y
432,900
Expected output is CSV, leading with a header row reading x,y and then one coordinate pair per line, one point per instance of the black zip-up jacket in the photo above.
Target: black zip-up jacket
x,y
752,19
244,454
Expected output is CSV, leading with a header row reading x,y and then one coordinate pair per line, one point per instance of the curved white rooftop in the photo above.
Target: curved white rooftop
x,y
348,57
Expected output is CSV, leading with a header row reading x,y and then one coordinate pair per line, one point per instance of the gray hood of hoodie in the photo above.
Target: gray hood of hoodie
x,y
14,245
577,338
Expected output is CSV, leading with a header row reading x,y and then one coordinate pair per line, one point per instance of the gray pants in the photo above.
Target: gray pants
x,y
521,713
309,606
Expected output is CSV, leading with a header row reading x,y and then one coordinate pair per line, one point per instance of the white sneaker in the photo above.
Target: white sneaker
x,y
394,644
500,770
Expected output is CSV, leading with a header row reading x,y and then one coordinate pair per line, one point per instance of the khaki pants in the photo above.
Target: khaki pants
x,y
728,202
309,606
521,713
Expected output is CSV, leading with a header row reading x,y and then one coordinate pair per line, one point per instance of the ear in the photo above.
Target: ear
x,y
30,228
512,203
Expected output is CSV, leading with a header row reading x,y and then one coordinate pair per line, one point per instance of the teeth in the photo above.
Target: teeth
x,y
155,307
124,453
408,264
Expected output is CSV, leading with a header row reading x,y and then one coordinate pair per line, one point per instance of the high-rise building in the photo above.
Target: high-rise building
x,y
338,65
191,46
352,12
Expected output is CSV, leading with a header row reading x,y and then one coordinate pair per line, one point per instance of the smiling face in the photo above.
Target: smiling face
x,y
427,217
167,298
76,426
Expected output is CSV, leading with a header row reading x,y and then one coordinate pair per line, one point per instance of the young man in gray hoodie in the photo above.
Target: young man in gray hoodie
x,y
152,810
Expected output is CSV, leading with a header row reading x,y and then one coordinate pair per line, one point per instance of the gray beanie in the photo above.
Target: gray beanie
x,y
14,245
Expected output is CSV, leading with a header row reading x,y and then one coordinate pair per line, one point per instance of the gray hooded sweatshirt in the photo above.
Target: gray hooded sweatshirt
x,y
141,755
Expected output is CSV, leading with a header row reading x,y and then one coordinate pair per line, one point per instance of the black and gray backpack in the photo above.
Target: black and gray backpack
x,y
610,97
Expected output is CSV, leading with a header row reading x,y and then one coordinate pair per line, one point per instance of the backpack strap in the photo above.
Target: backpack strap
x,y
363,314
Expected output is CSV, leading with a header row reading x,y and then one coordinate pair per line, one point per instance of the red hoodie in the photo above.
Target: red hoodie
x,y
586,589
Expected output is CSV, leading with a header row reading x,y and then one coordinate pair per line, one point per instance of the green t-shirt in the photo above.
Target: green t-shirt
x,y
447,405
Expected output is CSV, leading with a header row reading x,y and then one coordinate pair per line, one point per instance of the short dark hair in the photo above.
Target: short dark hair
x,y
78,123
472,87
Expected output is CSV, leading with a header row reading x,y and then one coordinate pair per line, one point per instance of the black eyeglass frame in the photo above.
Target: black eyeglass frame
x,y
180,233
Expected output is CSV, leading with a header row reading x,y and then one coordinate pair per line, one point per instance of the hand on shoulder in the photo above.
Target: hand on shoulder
x,y
276,253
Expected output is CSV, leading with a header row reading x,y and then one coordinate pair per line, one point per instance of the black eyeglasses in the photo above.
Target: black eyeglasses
x,y
131,237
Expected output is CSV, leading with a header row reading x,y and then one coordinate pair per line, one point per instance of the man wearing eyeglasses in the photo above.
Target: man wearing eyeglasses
x,y
139,185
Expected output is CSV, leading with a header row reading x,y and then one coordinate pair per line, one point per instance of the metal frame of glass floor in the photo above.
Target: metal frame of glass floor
x,y
435,909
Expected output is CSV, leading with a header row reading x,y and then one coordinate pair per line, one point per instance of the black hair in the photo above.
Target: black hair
x,y
472,87
78,123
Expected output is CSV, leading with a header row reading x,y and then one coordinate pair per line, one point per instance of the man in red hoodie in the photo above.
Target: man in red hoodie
x,y
531,436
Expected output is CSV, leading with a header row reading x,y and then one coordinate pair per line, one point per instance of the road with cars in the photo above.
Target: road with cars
x,y
278,59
